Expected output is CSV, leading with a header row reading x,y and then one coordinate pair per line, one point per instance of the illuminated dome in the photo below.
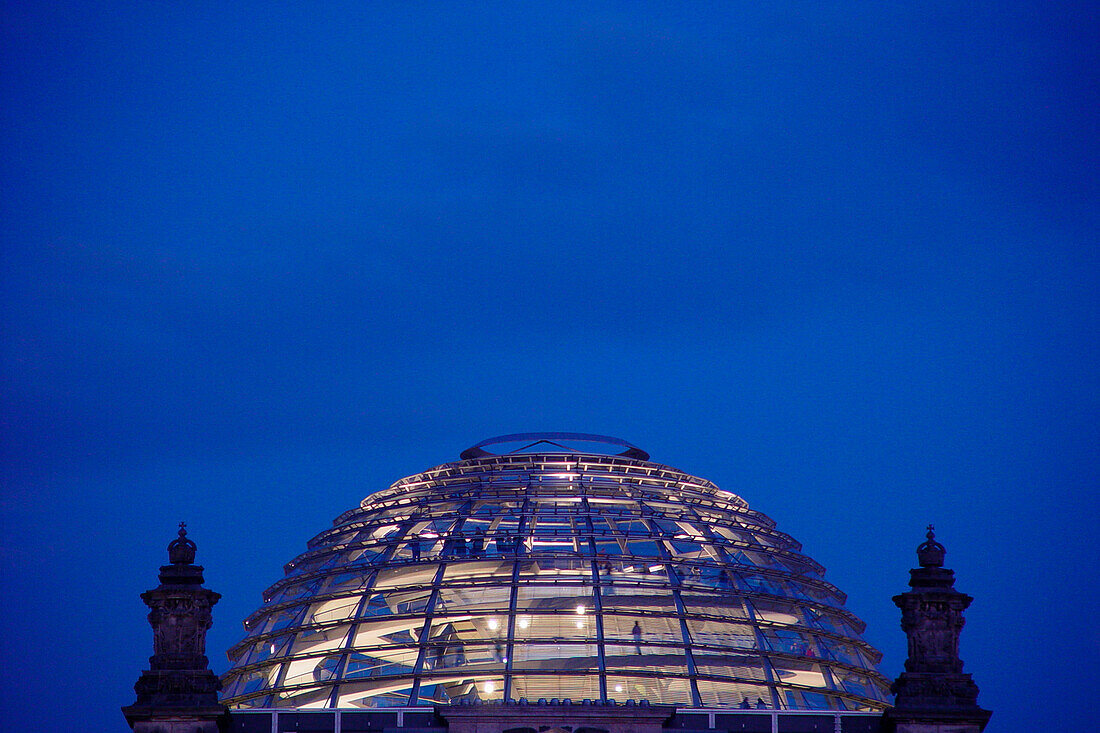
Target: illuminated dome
x,y
555,566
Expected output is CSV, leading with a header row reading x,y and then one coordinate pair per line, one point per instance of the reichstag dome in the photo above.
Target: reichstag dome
x,y
554,565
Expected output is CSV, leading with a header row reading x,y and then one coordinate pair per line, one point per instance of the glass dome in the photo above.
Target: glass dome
x,y
558,566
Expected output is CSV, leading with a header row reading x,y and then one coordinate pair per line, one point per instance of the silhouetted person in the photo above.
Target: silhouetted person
x,y
760,704
478,543
637,632
745,704
416,548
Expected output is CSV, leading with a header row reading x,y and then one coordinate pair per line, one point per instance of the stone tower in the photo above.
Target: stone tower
x,y
933,693
178,693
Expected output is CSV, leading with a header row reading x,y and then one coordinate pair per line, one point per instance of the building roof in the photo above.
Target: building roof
x,y
548,570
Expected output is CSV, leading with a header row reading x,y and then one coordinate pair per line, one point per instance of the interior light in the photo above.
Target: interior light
x,y
493,624
618,688
523,623
580,609
580,624
655,568
272,648
489,686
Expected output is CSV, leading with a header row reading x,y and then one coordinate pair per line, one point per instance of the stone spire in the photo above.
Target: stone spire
x,y
933,693
178,693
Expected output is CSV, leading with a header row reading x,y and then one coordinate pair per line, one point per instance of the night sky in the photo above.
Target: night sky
x,y
260,261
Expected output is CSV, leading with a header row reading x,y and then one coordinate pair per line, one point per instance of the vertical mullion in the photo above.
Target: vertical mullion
x,y
510,643
762,645
429,610
597,596
509,647
674,582
349,643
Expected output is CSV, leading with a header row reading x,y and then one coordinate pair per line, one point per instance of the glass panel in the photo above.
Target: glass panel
x,y
405,577
263,650
796,672
646,658
376,694
687,550
305,671
709,576
575,687
479,598
380,662
778,612
731,694
281,619
790,641
369,636
557,627
720,606
530,596
432,695
643,549
856,684
314,641
346,582
747,666
560,656
642,631
716,633
295,591
625,592
306,699
817,701
665,690
398,602
250,682
607,547
562,565
661,603
334,609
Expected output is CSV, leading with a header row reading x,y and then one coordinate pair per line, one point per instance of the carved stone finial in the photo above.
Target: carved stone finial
x,y
930,553
181,551
178,692
933,693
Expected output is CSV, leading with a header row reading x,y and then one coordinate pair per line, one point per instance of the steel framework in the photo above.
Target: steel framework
x,y
552,573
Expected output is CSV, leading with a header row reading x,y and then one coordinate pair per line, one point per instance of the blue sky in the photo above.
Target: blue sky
x,y
259,260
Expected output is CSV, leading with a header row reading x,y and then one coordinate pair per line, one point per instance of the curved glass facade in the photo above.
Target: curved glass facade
x,y
549,573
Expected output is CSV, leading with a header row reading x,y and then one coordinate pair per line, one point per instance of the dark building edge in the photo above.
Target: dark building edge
x,y
178,693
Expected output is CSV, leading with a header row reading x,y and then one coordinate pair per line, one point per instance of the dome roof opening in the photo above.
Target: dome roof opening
x,y
543,570
581,443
